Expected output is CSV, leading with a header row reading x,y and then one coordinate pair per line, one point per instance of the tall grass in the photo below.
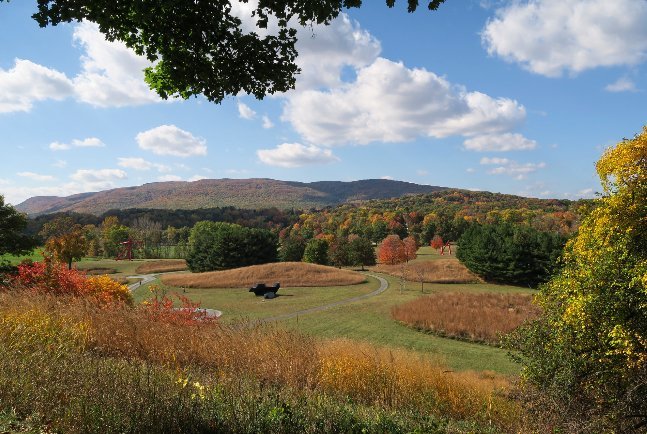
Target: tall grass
x,y
164,266
475,317
81,368
295,274
436,271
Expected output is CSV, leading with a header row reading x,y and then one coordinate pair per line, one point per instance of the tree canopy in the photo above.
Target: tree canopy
x,y
12,224
588,351
201,47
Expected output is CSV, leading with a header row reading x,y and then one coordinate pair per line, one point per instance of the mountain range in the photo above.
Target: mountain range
x,y
211,193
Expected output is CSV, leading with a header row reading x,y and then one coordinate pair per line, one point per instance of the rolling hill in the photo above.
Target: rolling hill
x,y
240,193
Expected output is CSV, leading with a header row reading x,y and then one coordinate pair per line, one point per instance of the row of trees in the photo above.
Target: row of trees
x,y
352,251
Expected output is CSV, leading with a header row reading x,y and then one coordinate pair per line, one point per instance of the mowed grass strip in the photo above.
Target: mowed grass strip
x,y
474,317
289,274
432,271
162,266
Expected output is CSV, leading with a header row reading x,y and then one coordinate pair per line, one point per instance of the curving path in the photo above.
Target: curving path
x,y
384,285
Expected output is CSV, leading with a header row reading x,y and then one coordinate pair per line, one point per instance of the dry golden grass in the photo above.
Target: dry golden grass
x,y
474,317
437,271
289,274
358,372
97,271
164,266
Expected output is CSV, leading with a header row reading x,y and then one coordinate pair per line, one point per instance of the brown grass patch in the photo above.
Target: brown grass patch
x,y
437,271
97,271
474,317
162,266
289,274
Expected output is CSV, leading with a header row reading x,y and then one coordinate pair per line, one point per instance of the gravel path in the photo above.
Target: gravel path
x,y
383,287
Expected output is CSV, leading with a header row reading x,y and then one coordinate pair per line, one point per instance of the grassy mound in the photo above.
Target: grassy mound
x,y
294,274
436,271
472,317
163,266
97,271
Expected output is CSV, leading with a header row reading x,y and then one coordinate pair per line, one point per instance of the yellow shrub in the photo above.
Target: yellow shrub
x,y
108,290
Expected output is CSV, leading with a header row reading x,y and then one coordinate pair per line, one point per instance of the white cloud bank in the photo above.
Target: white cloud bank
x,y
499,143
171,140
508,167
550,37
292,155
141,164
389,102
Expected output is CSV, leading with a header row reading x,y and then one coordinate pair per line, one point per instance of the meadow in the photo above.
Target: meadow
x,y
351,368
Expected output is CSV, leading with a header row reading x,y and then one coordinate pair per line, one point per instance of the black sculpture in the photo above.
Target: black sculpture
x,y
261,289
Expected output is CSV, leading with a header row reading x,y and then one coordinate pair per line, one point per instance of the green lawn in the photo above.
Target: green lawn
x,y
15,260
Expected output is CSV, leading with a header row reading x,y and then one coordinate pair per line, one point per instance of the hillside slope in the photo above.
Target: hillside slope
x,y
210,193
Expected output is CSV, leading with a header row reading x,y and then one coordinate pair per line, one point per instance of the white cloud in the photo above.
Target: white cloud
x,y
171,140
470,170
623,84
27,83
550,37
292,155
343,43
165,178
391,103
197,178
141,164
90,142
60,163
387,177
36,176
499,142
112,74
422,172
518,171
486,160
245,112
98,175
267,122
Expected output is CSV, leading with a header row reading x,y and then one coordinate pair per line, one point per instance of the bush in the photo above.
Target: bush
x,y
316,251
510,254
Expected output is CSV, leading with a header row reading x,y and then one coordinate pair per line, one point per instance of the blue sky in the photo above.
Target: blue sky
x,y
517,97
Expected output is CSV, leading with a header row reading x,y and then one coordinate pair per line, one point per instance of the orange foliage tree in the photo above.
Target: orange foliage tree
x,y
437,242
391,250
410,248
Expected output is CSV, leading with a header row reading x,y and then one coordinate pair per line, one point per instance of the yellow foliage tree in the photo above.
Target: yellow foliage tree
x,y
589,349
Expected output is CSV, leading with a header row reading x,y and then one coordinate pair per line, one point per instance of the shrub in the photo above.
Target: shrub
x,y
316,251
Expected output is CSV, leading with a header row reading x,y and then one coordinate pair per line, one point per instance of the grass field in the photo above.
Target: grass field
x,y
162,266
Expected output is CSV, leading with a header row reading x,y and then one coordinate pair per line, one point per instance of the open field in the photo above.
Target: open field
x,y
121,363
474,317
289,274
15,260
161,266
433,271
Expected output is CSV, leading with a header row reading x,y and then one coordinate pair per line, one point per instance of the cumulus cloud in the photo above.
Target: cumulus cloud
x,y
292,155
245,112
141,164
267,122
171,140
550,37
499,142
36,176
90,142
27,83
511,168
98,176
111,73
623,84
389,102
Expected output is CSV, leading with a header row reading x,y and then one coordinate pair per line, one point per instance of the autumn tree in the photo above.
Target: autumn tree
x,y
203,47
339,254
66,241
587,353
391,250
437,242
410,248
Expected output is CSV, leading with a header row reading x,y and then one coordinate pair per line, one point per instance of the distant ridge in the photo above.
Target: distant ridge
x,y
241,193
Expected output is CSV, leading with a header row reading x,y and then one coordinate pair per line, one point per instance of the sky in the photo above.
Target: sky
x,y
518,97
